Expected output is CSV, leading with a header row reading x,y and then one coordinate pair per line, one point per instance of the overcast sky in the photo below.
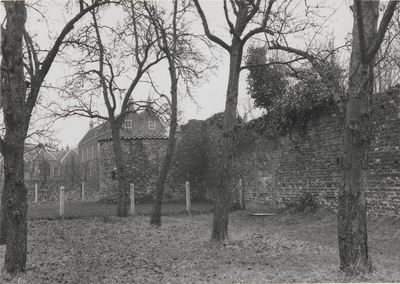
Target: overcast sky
x,y
211,95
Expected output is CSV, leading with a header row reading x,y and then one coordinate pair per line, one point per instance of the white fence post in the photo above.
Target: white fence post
x,y
36,192
241,194
83,190
188,209
62,201
132,199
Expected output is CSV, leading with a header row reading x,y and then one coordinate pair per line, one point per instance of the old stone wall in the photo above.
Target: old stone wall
x,y
189,163
276,171
383,177
279,170
143,161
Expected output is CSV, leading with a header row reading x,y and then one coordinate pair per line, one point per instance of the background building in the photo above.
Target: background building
x,y
138,124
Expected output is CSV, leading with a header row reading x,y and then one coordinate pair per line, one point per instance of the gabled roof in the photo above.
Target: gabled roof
x,y
103,128
62,155
46,155
33,152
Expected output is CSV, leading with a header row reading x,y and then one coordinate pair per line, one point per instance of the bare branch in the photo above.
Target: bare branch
x,y
319,66
271,63
230,24
212,37
386,18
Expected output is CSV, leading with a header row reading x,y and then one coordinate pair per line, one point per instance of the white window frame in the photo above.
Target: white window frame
x,y
152,125
128,124
54,171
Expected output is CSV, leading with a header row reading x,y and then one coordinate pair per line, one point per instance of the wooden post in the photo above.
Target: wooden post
x,y
62,200
36,193
83,190
132,199
188,209
241,194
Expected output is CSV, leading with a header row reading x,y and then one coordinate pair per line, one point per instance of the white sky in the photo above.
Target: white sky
x,y
211,95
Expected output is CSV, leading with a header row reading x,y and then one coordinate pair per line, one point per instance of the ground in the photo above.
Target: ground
x,y
282,248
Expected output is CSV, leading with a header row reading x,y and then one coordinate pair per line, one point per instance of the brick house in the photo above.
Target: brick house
x,y
137,124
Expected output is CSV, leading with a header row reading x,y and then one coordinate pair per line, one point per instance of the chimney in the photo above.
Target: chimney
x,y
91,124
131,105
149,102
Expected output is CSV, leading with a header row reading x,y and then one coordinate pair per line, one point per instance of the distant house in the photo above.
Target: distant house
x,y
137,124
51,169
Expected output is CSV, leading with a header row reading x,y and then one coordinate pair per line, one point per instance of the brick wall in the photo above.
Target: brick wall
x,y
278,171
383,178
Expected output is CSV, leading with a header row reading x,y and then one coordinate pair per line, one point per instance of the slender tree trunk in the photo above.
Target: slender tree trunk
x,y
122,207
155,218
221,210
13,227
352,223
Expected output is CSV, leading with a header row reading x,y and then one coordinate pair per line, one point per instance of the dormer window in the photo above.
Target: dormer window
x,y
128,123
152,125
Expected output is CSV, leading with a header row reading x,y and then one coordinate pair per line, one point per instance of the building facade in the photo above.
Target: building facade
x,y
137,124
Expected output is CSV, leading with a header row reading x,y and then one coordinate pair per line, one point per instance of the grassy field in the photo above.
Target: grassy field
x,y
262,249
95,209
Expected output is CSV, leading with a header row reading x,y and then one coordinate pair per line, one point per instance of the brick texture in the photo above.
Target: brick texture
x,y
276,171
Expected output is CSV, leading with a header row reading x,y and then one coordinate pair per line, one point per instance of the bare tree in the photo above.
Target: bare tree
x,y
243,13
112,50
185,63
352,223
18,105
367,39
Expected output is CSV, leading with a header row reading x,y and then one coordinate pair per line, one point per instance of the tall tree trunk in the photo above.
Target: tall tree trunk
x,y
14,205
123,185
352,223
155,218
221,210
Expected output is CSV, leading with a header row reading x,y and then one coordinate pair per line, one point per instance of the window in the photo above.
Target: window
x,y
56,171
152,125
93,152
128,124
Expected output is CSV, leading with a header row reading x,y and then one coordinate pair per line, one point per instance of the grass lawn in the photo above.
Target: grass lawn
x,y
278,249
92,209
